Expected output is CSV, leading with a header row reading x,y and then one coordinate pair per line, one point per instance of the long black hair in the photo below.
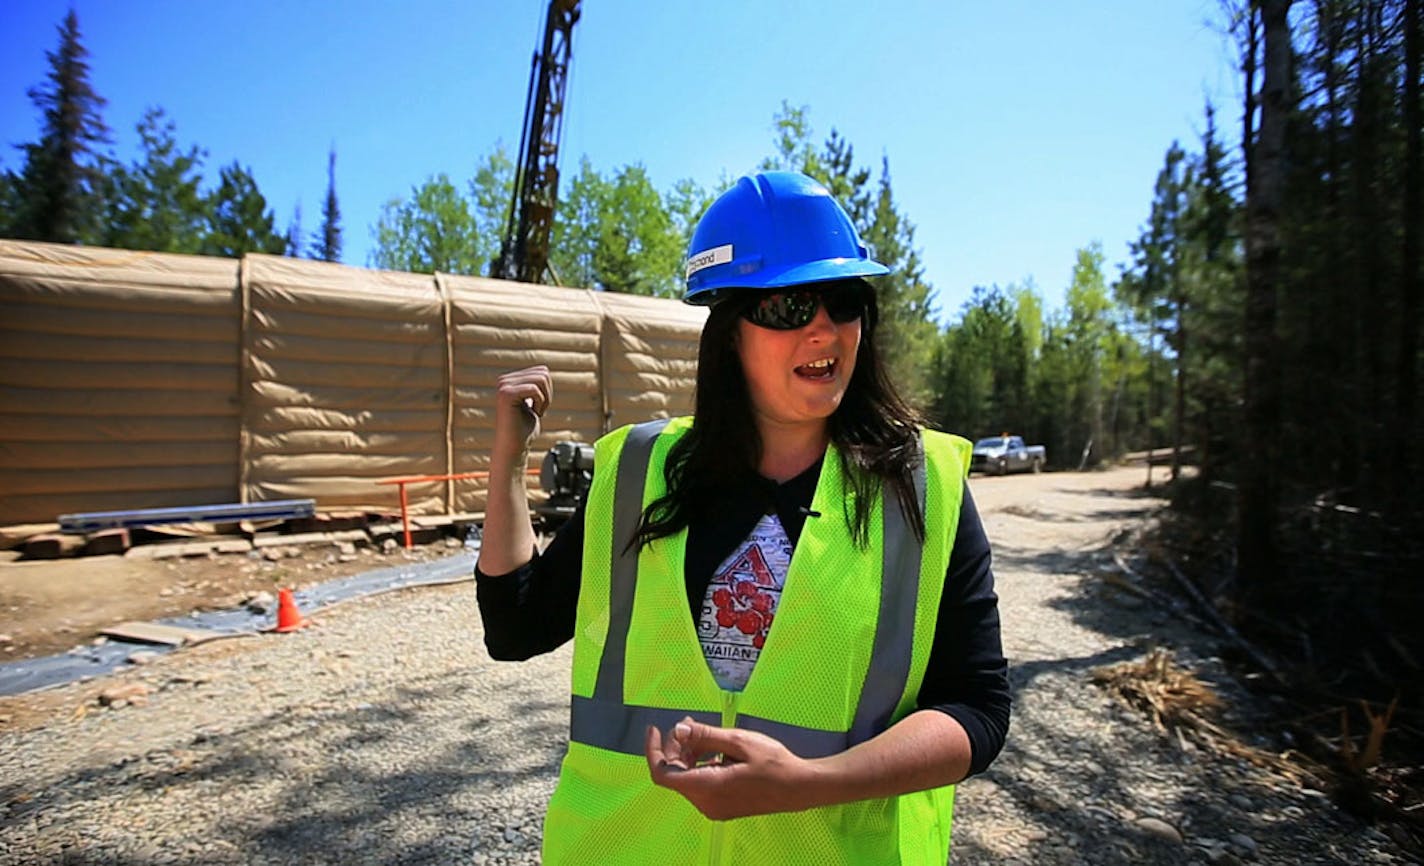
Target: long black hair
x,y
876,433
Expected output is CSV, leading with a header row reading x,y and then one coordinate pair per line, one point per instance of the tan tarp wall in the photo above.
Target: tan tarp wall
x,y
118,380
137,380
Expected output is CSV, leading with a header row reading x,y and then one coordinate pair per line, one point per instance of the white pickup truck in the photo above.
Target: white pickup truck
x,y
1001,455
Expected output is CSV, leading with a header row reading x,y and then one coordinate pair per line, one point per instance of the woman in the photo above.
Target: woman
x,y
782,607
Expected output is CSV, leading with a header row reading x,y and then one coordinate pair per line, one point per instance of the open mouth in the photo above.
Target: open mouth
x,y
824,368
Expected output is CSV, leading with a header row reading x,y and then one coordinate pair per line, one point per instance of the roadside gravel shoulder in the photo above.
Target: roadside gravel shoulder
x,y
384,734
1084,780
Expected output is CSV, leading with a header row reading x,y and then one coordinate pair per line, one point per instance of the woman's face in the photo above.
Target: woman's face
x,y
797,377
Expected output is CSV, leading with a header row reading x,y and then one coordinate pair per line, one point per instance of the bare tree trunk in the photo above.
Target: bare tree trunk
x,y
1248,20
1097,434
1331,342
1370,124
1407,361
1257,492
1151,395
1180,409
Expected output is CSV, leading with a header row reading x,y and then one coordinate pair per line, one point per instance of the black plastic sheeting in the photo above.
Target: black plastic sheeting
x,y
82,662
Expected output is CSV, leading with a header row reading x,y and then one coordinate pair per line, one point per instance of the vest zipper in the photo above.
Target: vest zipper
x,y
729,720
729,709
714,843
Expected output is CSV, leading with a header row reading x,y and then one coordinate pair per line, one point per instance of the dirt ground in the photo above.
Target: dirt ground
x,y
386,734
49,606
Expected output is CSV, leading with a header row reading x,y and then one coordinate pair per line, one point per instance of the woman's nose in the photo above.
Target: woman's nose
x,y
821,325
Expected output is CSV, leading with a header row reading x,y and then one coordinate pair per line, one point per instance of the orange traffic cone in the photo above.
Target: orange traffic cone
x,y
288,617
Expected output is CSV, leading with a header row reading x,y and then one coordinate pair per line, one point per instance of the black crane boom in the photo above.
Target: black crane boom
x,y
524,252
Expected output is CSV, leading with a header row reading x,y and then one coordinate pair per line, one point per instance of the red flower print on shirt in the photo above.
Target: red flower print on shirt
x,y
746,606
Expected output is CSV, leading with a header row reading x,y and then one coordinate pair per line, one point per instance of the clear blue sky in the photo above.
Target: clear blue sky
x,y
1017,131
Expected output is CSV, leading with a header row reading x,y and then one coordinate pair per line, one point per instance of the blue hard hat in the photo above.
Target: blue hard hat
x,y
771,230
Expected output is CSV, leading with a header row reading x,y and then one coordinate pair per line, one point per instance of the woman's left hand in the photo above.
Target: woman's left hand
x,y
728,772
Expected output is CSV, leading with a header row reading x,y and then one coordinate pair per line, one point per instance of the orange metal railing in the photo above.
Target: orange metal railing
x,y
405,507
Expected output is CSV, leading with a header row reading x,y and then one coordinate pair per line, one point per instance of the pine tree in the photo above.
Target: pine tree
x,y
849,184
907,332
239,220
1156,289
11,203
1211,276
982,368
326,246
294,233
160,203
57,188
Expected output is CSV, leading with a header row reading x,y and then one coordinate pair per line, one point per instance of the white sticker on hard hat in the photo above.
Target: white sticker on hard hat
x,y
707,258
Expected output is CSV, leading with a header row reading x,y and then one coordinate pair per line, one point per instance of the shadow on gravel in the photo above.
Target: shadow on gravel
x,y
1100,515
1097,603
1136,503
357,783
1064,782
1045,562
1083,771
1159,492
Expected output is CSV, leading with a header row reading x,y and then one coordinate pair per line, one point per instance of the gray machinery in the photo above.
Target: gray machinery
x,y
565,475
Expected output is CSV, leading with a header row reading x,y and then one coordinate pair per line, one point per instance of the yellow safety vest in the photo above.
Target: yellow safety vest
x,y
842,662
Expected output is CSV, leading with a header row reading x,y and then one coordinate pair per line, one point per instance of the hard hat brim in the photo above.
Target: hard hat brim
x,y
821,271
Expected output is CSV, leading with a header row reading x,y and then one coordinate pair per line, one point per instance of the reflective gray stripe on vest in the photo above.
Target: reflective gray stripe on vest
x,y
605,722
623,577
617,727
804,742
894,645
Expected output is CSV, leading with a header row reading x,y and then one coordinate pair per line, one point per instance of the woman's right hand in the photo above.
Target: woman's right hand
x,y
521,399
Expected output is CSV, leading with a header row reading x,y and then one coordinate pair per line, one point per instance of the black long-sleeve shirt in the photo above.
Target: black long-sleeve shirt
x,y
531,610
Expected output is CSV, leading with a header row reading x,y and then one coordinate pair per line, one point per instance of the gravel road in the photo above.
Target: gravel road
x,y
385,735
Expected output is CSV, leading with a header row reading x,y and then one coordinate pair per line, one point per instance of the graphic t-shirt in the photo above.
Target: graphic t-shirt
x,y
741,602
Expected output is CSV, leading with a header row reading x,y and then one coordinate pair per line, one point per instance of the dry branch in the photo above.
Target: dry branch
x,y
1181,705
1209,610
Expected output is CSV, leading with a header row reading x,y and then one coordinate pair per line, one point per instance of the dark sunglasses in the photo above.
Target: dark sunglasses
x,y
795,308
